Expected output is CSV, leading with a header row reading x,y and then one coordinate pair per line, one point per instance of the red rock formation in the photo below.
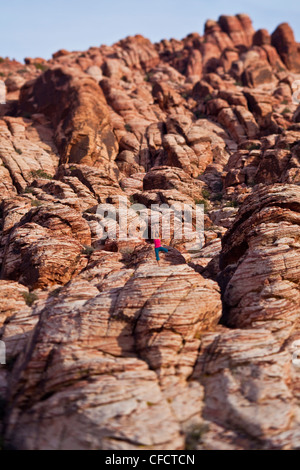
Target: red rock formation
x,y
257,74
276,163
194,66
261,38
45,247
268,234
239,28
284,41
60,53
26,150
83,129
125,338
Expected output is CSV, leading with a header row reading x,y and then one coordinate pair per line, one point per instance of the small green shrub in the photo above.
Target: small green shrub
x,y
36,203
128,127
10,362
194,436
205,193
19,151
88,250
217,197
127,251
148,77
1,60
204,202
286,111
28,190
200,115
41,174
132,199
26,115
232,204
253,147
41,67
55,292
30,298
208,98
238,83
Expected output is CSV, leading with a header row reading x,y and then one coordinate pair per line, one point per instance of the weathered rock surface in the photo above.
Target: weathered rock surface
x,y
76,107
26,150
262,246
284,41
125,366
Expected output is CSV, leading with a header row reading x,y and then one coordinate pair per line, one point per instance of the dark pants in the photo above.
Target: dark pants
x,y
157,250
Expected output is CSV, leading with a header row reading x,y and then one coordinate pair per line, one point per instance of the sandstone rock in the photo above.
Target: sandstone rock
x,y
166,178
283,40
194,67
261,107
263,406
210,56
14,83
6,185
165,96
239,28
16,323
278,163
26,150
137,51
36,60
122,331
228,58
246,23
215,35
99,183
37,258
45,246
261,38
70,191
60,53
229,120
257,74
95,72
83,132
269,234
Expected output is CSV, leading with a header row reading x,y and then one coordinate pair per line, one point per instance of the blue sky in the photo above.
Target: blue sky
x,y
34,28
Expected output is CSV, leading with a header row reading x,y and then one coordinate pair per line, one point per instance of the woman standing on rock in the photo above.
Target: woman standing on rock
x,y
158,247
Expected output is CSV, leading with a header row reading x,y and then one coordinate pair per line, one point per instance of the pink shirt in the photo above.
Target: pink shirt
x,y
157,243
